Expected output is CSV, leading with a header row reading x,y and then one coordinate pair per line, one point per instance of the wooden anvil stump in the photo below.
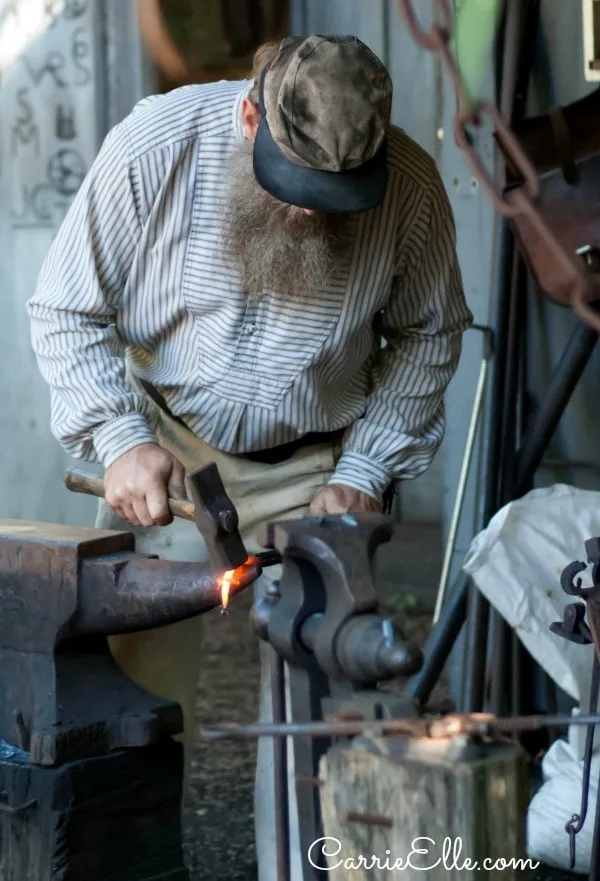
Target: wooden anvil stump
x,y
90,776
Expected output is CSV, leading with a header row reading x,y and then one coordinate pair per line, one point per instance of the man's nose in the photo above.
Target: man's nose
x,y
309,211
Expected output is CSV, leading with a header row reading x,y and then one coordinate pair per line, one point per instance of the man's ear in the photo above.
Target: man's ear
x,y
250,119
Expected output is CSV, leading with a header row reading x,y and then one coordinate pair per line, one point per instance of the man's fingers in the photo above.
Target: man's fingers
x,y
127,513
177,488
158,504
142,512
336,505
317,506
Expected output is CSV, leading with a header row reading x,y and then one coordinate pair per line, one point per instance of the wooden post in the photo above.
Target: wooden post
x,y
462,804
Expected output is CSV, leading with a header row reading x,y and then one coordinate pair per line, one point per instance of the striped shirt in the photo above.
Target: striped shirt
x,y
139,272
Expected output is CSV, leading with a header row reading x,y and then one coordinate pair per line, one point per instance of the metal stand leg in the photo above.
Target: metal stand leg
x,y
439,645
595,858
280,773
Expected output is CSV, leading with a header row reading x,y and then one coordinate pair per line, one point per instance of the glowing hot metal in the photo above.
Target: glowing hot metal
x,y
225,588
234,579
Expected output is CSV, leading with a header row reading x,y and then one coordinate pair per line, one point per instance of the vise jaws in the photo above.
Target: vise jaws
x,y
325,607
322,619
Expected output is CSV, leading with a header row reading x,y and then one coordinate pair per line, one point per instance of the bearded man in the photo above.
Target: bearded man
x,y
219,292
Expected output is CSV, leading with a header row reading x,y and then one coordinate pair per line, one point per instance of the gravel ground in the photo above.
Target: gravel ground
x,y
220,818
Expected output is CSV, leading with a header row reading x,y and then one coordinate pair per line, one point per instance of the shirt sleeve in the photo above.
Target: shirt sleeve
x,y
95,413
404,421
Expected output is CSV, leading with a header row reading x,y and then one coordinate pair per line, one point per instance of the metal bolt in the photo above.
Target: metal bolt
x,y
388,632
228,520
367,819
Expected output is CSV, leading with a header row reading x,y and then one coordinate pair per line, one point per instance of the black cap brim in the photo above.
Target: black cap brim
x,y
345,192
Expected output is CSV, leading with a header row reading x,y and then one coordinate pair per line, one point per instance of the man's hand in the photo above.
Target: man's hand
x,y
339,499
138,485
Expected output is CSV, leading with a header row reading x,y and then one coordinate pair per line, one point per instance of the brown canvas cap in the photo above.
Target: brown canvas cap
x,y
325,105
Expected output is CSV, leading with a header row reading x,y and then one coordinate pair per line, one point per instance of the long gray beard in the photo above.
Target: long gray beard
x,y
278,248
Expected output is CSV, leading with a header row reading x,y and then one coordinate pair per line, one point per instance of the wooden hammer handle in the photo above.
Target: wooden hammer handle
x,y
90,484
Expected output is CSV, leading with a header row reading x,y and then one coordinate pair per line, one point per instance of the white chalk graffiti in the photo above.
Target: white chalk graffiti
x,y
47,94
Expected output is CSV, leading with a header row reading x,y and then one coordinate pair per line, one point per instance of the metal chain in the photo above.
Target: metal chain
x,y
522,202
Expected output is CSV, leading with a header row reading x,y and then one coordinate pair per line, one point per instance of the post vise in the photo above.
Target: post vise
x,y
322,619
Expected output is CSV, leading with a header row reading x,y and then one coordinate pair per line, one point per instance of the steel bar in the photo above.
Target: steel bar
x,y
280,769
564,382
521,32
478,607
464,476
577,821
469,724
501,695
568,372
514,74
595,857
439,644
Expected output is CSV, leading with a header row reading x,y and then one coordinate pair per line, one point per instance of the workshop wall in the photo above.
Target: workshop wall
x,y
419,109
424,106
68,70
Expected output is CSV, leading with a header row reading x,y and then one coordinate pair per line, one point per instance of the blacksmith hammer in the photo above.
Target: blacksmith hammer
x,y
212,511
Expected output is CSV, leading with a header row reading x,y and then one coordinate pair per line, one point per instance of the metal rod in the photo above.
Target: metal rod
x,y
439,644
462,485
577,821
469,724
498,699
564,382
595,857
530,455
280,770
478,609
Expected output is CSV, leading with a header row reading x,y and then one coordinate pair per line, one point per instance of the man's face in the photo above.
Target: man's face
x,y
279,249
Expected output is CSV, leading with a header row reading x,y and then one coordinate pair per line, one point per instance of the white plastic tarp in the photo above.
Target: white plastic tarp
x,y
517,562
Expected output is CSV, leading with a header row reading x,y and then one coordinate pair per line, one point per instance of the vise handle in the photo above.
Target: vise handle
x,y
79,481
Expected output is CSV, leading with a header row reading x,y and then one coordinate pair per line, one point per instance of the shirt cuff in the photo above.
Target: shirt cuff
x,y
359,472
121,435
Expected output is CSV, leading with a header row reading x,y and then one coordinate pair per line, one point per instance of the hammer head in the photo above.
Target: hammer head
x,y
217,519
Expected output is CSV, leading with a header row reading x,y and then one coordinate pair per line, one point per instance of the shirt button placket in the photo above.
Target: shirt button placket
x,y
249,337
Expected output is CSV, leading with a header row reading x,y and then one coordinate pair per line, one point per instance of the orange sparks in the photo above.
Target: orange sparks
x,y
232,579
225,587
